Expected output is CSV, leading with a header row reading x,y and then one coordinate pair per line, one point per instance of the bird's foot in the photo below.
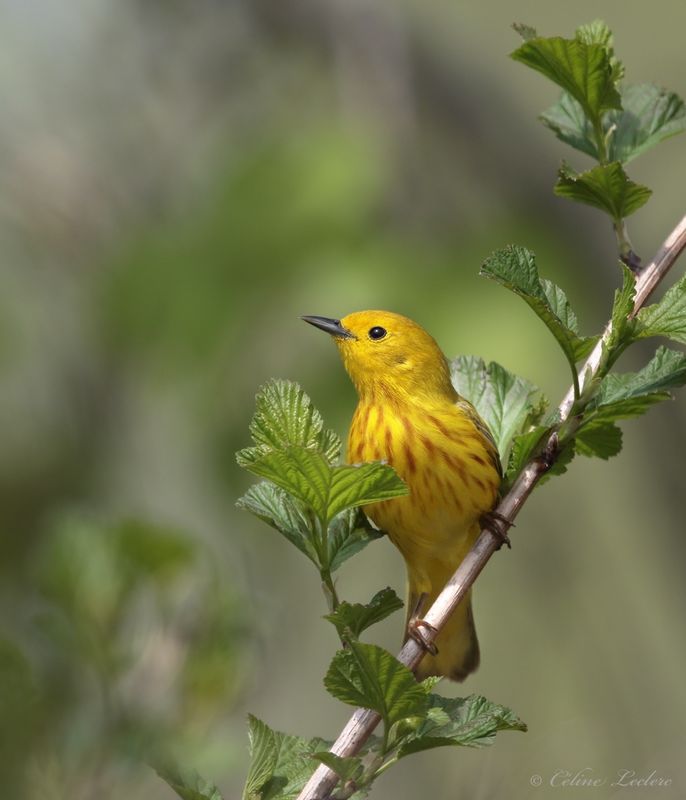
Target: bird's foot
x,y
416,631
417,627
498,525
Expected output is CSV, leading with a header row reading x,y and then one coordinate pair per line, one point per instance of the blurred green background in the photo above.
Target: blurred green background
x,y
180,181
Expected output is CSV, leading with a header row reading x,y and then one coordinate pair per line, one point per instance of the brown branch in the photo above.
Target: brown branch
x,y
363,721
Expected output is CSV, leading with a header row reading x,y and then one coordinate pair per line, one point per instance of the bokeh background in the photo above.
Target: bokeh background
x,y
179,182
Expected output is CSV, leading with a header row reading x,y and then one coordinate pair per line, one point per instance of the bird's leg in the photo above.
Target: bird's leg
x,y
498,525
416,625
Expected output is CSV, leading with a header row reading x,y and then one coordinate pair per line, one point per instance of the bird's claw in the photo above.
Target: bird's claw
x,y
415,632
498,525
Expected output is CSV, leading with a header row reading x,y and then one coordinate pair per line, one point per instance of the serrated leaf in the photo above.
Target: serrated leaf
x,y
280,764
349,532
277,508
505,402
623,395
622,306
355,485
606,187
525,31
347,769
353,618
599,439
583,70
666,318
650,114
567,120
597,32
285,417
306,475
468,722
558,303
366,675
264,753
188,785
515,268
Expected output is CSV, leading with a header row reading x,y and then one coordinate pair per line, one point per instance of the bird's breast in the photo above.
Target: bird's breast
x,y
443,458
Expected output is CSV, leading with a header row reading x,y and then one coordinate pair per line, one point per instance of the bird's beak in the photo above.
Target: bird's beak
x,y
332,326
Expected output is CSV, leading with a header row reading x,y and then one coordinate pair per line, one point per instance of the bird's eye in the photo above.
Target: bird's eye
x,y
377,332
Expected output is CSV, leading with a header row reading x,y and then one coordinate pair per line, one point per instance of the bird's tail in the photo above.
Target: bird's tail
x,y
458,647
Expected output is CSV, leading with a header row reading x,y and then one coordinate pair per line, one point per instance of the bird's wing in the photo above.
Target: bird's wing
x,y
483,429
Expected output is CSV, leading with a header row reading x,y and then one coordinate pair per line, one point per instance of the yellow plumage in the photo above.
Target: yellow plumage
x,y
410,415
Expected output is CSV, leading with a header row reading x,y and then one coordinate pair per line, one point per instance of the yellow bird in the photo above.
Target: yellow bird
x,y
410,415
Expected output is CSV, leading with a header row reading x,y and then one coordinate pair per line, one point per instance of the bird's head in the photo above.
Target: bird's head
x,y
388,354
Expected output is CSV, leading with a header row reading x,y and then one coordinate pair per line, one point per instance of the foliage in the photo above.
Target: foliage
x,y
598,115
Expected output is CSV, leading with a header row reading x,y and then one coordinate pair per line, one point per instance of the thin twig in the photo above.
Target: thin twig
x,y
363,721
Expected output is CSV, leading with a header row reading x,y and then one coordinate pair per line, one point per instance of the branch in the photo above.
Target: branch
x,y
363,721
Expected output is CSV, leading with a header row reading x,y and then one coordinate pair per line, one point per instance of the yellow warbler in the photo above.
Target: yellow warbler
x,y
410,415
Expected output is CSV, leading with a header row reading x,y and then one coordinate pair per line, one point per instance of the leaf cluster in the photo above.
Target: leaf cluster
x,y
307,496
603,401
598,115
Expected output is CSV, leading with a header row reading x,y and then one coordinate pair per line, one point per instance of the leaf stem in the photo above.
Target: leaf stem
x,y
600,143
626,251
329,587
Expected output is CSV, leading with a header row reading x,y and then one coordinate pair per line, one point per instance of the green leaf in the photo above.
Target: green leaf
x,y
188,784
360,484
524,446
597,32
567,120
506,403
347,769
606,187
264,754
469,722
366,675
515,268
285,417
623,305
629,394
350,619
650,114
349,532
280,764
600,439
306,475
666,318
274,506
583,70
